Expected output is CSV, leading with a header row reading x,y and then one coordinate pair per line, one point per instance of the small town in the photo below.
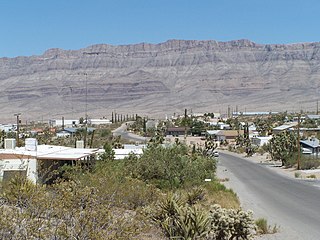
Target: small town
x,y
49,153
26,147
159,120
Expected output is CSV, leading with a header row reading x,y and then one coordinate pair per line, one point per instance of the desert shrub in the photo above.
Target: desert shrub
x,y
217,193
65,210
105,132
313,176
309,163
306,162
264,228
171,167
262,225
297,174
195,195
98,204
20,191
179,221
261,150
115,187
240,150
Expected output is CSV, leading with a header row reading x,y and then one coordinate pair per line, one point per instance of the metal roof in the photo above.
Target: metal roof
x,y
48,152
285,126
74,130
310,116
314,142
213,132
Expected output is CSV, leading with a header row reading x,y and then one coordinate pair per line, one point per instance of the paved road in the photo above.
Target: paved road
x,y
293,204
122,131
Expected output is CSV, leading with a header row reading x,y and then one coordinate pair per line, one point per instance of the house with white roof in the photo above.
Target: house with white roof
x,y
37,162
310,146
284,127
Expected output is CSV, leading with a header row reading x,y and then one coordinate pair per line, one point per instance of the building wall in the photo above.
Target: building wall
x,y
29,165
67,123
99,121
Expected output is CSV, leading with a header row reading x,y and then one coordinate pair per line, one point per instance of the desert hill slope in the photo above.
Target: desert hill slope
x,y
156,79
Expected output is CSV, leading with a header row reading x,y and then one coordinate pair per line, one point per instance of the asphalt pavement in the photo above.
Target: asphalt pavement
x,y
292,204
122,131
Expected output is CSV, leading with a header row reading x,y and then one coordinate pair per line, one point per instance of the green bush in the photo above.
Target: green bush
x,y
64,210
297,174
306,162
171,167
313,176
309,163
195,195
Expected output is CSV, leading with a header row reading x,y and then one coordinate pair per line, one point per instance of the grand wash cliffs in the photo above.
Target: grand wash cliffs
x,y
155,79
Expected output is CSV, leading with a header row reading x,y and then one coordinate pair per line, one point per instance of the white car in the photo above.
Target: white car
x,y
215,153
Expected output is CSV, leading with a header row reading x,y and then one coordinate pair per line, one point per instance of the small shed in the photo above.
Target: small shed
x,y
177,131
215,134
229,135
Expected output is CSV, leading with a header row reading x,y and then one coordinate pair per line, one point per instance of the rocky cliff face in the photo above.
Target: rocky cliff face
x,y
156,79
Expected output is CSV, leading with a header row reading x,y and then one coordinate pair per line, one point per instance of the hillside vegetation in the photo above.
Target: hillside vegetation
x,y
160,195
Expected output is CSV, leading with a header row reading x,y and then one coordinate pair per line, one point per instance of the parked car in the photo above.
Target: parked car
x,y
215,153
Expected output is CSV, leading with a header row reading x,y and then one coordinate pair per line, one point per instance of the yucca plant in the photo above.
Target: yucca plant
x,y
180,221
196,194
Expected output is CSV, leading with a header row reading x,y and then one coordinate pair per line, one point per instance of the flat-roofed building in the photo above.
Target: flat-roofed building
x,y
38,162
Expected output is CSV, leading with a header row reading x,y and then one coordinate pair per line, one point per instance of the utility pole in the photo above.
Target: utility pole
x,y
72,113
185,125
18,122
86,126
298,143
86,97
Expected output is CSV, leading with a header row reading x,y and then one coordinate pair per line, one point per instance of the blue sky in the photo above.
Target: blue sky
x,y
29,27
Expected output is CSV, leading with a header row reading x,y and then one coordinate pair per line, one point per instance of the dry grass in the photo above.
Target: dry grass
x,y
219,194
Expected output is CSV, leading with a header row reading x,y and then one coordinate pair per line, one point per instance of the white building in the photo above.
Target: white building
x,y
99,121
260,141
8,127
65,122
36,161
123,153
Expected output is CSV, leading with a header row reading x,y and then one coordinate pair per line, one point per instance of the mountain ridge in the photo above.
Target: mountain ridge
x,y
163,78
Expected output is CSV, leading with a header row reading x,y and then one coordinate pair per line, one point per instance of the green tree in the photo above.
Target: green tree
x,y
108,152
264,126
197,127
283,146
